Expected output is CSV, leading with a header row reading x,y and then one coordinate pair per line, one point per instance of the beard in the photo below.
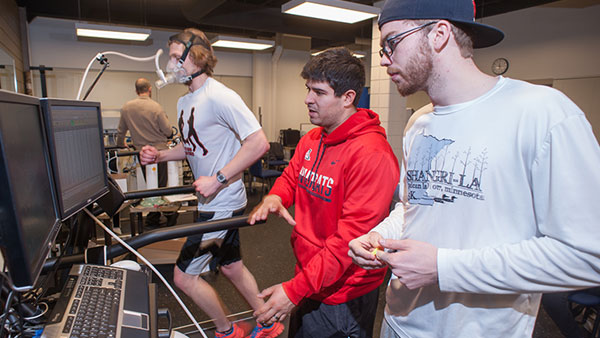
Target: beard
x,y
416,73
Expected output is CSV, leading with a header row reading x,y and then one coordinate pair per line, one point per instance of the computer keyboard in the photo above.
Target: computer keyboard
x,y
101,302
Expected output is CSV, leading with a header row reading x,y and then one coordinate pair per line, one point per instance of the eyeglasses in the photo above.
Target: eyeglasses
x,y
390,43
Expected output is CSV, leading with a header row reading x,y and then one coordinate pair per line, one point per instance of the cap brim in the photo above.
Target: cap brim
x,y
482,35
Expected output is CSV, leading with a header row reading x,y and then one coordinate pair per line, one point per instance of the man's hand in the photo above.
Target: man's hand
x,y
414,262
363,251
206,185
149,155
277,308
271,204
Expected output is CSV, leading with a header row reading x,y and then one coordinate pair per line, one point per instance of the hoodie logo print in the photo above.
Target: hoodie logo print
x,y
307,155
316,184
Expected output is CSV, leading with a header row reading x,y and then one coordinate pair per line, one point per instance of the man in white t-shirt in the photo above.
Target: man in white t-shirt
x,y
212,119
498,186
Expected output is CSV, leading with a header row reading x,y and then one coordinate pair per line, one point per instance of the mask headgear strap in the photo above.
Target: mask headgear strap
x,y
191,77
188,45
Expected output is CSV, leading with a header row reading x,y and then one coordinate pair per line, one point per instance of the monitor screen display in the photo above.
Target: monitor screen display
x,y
28,216
75,137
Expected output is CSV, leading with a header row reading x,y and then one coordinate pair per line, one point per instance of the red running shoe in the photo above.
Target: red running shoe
x,y
267,331
236,333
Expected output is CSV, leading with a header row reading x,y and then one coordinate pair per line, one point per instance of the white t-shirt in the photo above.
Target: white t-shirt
x,y
213,120
506,187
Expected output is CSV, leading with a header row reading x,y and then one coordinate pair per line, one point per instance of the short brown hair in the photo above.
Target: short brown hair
x,y
338,68
201,51
142,85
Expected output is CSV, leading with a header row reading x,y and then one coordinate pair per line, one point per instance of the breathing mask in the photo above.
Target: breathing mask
x,y
175,71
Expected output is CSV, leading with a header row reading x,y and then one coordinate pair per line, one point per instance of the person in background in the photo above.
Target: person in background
x,y
498,188
214,120
341,179
147,123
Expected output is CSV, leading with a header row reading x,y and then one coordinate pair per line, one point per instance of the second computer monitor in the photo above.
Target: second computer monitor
x,y
74,130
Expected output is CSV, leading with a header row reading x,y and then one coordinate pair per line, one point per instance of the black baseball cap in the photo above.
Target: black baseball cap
x,y
459,12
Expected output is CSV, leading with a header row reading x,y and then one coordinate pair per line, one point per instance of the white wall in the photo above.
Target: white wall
x,y
290,90
263,99
546,42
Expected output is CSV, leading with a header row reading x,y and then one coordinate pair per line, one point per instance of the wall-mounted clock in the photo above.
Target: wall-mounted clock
x,y
500,66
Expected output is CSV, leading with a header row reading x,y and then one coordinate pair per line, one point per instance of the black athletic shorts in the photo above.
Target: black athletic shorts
x,y
202,253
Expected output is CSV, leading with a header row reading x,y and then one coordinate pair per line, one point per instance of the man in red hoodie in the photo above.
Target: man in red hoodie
x,y
341,179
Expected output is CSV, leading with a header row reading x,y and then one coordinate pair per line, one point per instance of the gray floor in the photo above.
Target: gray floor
x,y
267,254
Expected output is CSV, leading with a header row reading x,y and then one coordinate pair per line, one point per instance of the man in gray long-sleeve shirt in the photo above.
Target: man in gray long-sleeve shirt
x,y
147,123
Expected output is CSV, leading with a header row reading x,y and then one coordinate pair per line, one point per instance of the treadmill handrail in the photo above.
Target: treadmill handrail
x,y
161,234
127,153
137,194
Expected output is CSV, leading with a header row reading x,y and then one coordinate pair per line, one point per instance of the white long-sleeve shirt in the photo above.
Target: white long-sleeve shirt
x,y
505,186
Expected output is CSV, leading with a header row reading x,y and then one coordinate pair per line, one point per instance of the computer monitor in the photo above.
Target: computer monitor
x,y
29,219
74,131
290,137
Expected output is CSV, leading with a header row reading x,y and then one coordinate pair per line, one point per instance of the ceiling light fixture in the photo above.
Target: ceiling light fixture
x,y
241,43
359,54
356,54
112,32
333,10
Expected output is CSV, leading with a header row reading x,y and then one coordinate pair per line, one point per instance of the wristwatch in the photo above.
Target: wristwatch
x,y
221,178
